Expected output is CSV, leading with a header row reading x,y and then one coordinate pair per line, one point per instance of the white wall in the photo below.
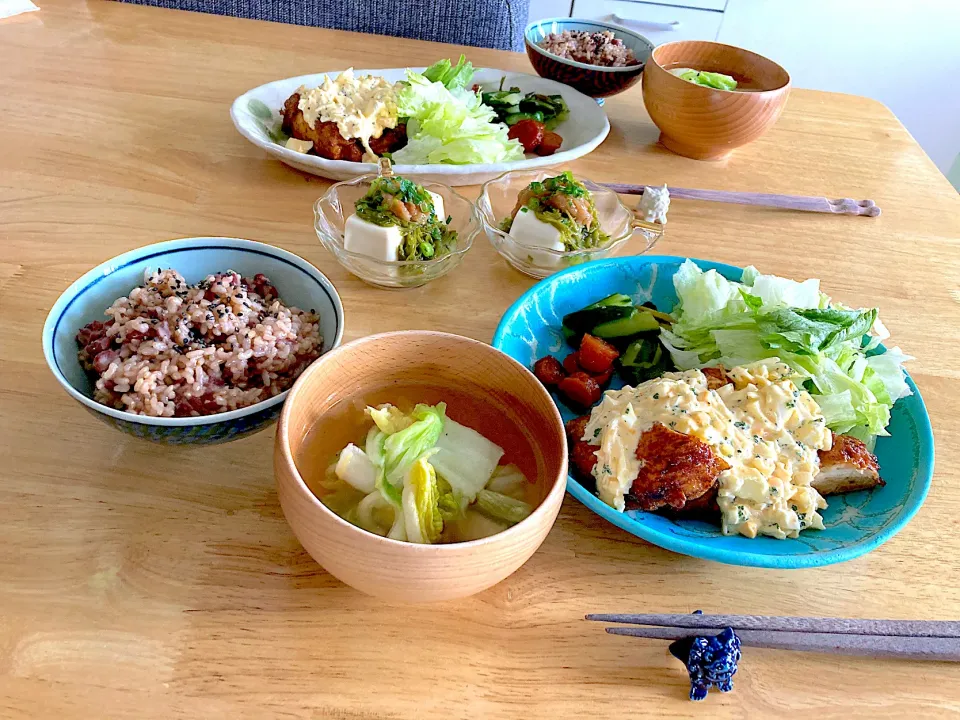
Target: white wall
x,y
904,53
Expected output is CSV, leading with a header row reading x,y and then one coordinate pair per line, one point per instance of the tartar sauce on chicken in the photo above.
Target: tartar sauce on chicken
x,y
765,427
362,107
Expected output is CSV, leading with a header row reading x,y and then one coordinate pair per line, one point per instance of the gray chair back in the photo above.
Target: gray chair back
x,y
482,23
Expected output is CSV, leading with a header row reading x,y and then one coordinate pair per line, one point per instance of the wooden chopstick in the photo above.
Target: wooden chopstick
x,y
842,206
945,649
844,626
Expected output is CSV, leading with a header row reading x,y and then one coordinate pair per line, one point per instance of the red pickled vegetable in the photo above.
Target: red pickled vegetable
x,y
572,364
549,371
596,355
550,143
580,389
529,133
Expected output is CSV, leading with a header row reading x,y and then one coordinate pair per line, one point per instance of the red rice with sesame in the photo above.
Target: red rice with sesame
x,y
598,48
170,349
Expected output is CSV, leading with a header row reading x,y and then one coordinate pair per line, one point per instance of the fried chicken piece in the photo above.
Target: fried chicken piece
x,y
704,507
327,140
331,144
847,467
390,141
676,468
583,455
294,124
716,377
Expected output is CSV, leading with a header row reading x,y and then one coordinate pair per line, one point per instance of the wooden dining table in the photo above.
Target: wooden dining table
x,y
145,581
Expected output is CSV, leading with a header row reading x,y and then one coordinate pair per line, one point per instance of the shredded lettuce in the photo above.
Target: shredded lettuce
x,y
449,75
718,321
402,449
465,459
389,419
421,504
449,123
502,507
355,468
509,480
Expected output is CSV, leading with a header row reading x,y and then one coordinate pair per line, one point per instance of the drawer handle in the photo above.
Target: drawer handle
x,y
643,24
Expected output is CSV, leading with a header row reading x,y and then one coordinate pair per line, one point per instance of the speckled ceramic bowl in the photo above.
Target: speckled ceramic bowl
x,y
593,80
298,282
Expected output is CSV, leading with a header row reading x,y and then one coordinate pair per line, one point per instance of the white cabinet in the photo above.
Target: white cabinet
x,y
543,9
656,22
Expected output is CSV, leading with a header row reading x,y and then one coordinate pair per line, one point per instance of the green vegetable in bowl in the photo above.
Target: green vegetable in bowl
x,y
502,507
512,106
407,205
633,330
422,477
718,81
565,203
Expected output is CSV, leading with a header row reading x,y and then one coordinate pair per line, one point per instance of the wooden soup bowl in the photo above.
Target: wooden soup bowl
x,y
503,393
704,123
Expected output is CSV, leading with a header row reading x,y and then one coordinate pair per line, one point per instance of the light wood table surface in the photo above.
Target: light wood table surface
x,y
140,581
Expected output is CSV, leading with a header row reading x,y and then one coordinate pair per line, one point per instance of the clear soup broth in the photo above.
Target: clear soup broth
x,y
346,422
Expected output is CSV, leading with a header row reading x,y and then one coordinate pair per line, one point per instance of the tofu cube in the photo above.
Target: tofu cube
x,y
438,206
365,238
528,229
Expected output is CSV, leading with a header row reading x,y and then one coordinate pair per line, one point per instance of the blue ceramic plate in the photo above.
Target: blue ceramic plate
x,y
300,284
855,523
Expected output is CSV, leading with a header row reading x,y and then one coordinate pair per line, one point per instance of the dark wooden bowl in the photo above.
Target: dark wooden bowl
x,y
593,80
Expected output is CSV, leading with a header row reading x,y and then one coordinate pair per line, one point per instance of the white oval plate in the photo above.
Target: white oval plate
x,y
584,129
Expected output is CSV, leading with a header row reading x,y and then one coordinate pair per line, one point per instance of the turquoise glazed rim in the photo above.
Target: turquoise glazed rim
x,y
298,282
855,523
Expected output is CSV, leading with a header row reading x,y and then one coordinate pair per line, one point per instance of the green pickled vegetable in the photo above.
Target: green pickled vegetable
x,y
639,321
564,202
425,236
644,359
512,105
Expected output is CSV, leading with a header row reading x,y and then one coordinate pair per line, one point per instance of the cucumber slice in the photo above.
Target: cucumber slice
x,y
638,322
618,299
584,321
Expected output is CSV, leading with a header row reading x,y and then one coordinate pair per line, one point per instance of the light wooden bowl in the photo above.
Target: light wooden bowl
x,y
704,123
401,571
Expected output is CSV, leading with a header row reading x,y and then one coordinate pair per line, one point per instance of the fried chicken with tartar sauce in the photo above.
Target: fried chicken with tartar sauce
x,y
847,467
675,468
326,138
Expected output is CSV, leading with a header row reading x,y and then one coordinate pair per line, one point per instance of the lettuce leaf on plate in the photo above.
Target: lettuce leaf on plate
x,y
449,75
450,124
718,321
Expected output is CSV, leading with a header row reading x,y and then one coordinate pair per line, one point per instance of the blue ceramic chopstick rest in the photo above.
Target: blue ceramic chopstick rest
x,y
710,661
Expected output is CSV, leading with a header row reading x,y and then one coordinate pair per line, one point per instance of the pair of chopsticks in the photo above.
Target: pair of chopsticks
x,y
842,206
906,639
